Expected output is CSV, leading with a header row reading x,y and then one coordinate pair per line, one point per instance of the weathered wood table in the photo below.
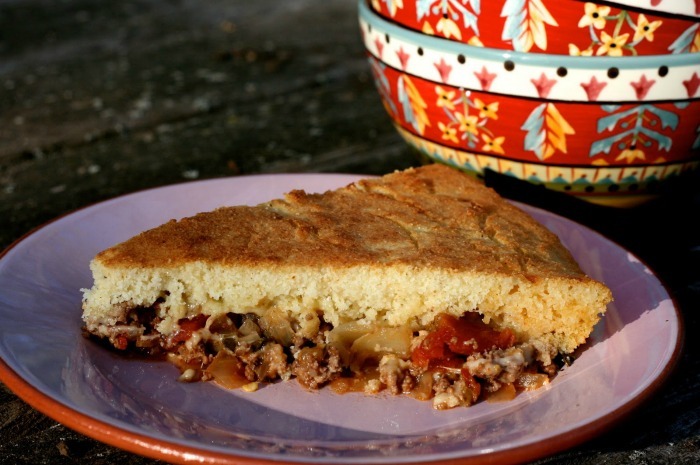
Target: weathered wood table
x,y
99,99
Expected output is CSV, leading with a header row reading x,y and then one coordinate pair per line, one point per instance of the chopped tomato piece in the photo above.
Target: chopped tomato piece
x,y
189,326
469,335
121,342
463,336
433,352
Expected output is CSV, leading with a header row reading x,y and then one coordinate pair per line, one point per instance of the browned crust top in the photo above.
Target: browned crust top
x,y
433,216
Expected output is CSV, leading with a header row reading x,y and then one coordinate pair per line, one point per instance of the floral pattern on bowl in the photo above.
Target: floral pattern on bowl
x,y
538,130
568,27
533,75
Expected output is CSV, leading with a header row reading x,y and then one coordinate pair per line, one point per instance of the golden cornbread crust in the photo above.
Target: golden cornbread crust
x,y
394,250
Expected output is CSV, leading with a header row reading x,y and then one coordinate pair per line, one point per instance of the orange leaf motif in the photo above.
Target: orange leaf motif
x,y
546,131
414,107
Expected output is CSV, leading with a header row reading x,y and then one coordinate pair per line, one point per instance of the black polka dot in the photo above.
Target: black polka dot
x,y
509,65
663,70
613,73
461,58
386,38
589,189
613,188
562,71
567,187
633,187
420,51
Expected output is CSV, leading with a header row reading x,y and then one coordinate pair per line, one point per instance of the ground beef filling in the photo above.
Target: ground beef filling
x,y
455,361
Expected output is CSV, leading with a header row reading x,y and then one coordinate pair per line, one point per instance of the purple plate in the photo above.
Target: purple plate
x,y
140,406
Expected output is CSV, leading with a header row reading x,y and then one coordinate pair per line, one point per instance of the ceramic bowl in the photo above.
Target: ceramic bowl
x,y
565,27
609,130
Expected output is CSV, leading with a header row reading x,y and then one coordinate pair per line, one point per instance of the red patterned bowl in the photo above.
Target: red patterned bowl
x,y
608,130
566,27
